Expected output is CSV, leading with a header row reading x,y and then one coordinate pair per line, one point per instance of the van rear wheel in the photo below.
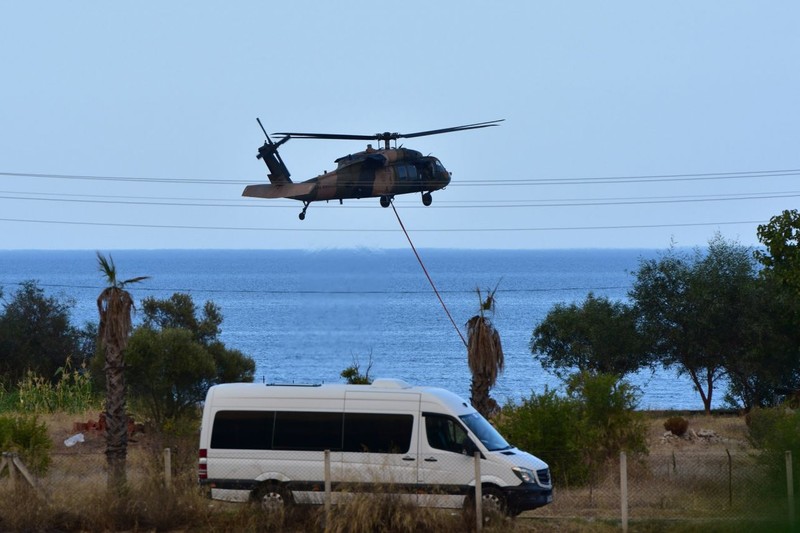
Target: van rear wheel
x,y
272,497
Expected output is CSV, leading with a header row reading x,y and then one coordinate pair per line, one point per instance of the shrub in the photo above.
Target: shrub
x,y
677,425
611,422
549,427
775,431
575,435
27,437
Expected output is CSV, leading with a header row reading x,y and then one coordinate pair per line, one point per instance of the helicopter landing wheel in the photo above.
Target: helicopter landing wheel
x,y
302,214
386,201
427,199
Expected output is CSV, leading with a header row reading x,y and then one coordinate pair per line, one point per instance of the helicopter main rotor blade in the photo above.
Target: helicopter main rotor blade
x,y
327,136
448,130
387,136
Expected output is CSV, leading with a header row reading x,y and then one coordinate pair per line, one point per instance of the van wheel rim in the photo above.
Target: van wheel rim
x,y
492,502
272,500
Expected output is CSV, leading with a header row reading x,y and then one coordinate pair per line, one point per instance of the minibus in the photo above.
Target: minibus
x,y
280,443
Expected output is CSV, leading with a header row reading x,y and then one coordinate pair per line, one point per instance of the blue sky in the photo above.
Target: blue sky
x,y
691,107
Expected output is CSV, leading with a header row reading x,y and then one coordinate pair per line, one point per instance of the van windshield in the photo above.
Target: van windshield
x,y
485,432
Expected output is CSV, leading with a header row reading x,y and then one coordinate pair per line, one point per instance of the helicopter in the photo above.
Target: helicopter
x,y
373,173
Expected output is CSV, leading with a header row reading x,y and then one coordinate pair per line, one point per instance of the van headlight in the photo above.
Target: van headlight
x,y
526,475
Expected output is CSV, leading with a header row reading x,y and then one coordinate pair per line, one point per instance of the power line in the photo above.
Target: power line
x,y
378,230
313,292
635,178
523,181
444,204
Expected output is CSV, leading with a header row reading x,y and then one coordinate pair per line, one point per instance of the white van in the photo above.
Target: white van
x,y
268,443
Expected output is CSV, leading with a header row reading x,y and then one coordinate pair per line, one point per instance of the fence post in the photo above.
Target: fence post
x,y
790,485
730,478
12,471
478,493
168,468
623,489
327,486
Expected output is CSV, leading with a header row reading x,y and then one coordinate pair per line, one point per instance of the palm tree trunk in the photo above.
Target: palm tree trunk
x,y
116,420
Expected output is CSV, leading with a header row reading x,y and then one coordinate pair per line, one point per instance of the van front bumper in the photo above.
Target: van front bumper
x,y
527,496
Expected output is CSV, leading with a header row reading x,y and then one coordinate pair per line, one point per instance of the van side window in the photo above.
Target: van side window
x,y
242,430
307,431
377,433
444,433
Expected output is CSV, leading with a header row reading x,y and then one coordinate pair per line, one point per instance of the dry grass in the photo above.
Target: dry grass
x,y
682,485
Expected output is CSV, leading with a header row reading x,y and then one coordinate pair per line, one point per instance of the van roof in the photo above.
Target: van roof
x,y
335,391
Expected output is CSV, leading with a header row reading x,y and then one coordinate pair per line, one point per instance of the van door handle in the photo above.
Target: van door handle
x,y
408,458
431,460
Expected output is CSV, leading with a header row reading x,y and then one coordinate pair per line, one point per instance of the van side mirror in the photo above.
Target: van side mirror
x,y
469,447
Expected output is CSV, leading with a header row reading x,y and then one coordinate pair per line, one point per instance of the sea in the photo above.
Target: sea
x,y
304,316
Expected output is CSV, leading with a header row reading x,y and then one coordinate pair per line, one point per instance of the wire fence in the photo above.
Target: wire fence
x,y
718,486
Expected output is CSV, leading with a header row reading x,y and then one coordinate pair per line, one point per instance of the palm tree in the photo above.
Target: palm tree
x,y
115,305
484,356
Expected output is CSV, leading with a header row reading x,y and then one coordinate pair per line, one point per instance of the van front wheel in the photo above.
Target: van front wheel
x,y
494,501
272,497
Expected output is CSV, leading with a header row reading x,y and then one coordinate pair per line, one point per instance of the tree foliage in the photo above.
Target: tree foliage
x,y
768,365
36,335
180,312
693,310
176,355
598,336
781,237
578,433
352,374
775,431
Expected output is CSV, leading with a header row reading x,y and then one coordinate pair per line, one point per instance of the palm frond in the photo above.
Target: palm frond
x,y
108,269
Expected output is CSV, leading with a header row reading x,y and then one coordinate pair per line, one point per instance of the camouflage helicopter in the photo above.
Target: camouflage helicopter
x,y
382,173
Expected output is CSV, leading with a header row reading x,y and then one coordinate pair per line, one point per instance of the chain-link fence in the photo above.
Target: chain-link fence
x,y
676,487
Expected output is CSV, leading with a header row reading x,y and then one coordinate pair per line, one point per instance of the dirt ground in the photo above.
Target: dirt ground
x,y
706,434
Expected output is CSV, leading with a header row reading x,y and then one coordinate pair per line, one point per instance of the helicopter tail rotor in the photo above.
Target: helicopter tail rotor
x,y
278,173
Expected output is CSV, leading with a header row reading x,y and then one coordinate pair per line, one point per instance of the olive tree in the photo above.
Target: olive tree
x,y
597,336
176,355
693,310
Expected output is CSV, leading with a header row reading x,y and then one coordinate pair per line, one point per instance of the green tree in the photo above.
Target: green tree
x,y
115,305
36,334
484,356
781,237
168,371
176,355
693,310
180,312
598,336
768,365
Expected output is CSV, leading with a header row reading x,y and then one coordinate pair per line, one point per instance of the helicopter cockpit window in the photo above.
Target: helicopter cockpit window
x,y
439,166
405,172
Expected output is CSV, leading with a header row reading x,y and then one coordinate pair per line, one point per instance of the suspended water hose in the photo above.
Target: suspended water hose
x,y
430,280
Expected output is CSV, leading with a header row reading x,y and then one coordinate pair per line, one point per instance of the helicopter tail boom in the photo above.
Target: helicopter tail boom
x,y
297,191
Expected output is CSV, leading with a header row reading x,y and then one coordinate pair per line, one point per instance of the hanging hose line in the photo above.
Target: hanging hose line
x,y
430,280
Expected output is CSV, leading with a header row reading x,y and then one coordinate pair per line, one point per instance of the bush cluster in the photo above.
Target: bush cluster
x,y
775,431
578,433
